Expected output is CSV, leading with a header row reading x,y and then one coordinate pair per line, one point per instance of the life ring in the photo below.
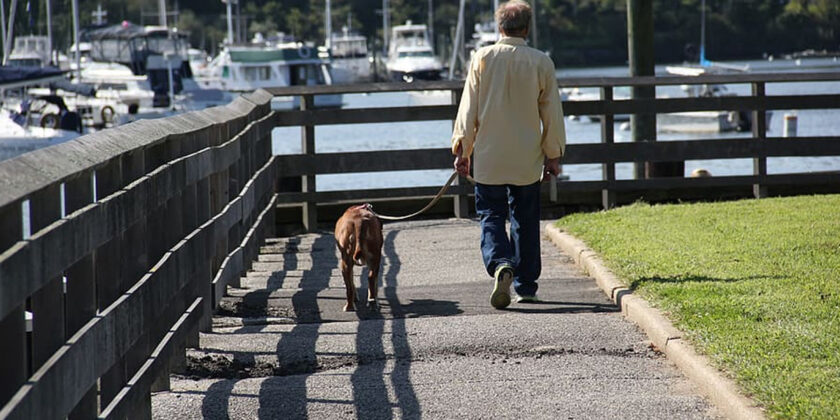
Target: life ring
x,y
304,52
49,120
107,113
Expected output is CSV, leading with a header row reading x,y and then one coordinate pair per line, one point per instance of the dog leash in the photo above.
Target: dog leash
x,y
431,203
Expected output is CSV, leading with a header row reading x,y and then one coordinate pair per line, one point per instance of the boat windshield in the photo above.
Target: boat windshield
x,y
353,48
306,74
415,54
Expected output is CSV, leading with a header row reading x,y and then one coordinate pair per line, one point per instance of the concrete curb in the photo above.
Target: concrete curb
x,y
722,391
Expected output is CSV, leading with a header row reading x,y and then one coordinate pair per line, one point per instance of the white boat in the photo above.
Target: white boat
x,y
143,72
351,62
410,54
483,35
21,137
20,131
30,51
245,68
706,121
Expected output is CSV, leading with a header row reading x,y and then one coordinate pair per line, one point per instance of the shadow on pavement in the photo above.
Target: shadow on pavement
x,y
290,400
217,399
370,392
556,307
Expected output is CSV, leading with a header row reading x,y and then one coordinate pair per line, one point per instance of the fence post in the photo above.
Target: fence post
x,y
107,270
759,132
607,137
81,286
134,264
47,304
13,325
307,142
461,204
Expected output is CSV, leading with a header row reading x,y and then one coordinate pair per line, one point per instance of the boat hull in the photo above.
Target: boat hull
x,y
410,76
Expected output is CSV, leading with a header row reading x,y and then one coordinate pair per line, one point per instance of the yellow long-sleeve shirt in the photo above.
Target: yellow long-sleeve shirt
x,y
510,90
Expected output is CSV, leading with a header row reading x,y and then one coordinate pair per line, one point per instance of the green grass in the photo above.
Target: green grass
x,y
753,283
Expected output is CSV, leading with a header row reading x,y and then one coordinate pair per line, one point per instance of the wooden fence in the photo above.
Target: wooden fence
x,y
606,153
117,247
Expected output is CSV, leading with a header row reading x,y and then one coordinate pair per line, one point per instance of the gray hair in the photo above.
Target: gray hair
x,y
514,17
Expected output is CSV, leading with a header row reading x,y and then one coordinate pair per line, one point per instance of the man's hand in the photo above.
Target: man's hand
x,y
462,164
552,167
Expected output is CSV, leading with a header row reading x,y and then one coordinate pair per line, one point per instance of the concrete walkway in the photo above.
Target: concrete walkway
x,y
282,348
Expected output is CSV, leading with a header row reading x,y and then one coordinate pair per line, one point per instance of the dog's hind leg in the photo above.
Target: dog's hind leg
x,y
346,266
373,276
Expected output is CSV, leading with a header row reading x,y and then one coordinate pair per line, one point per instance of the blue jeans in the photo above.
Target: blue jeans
x,y
494,205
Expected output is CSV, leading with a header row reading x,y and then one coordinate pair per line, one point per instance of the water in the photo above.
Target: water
x,y
436,134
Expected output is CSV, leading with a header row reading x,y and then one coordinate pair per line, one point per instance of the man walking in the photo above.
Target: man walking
x,y
510,92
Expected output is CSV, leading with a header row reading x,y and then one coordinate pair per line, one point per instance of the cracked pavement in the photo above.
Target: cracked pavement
x,y
282,348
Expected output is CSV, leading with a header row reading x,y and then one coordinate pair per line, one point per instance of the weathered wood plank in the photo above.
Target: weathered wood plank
x,y
13,348
233,266
715,181
323,197
137,389
719,103
374,161
366,115
699,149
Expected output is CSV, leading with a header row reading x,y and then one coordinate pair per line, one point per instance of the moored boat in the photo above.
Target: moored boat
x,y
410,54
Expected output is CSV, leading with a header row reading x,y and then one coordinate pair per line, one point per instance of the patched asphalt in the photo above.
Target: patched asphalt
x,y
282,347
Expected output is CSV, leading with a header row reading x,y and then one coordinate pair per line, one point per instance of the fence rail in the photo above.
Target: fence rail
x,y
606,153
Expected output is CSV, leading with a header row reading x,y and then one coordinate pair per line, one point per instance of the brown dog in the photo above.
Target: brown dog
x,y
358,235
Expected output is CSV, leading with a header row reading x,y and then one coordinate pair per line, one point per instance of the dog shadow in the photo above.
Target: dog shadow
x,y
390,306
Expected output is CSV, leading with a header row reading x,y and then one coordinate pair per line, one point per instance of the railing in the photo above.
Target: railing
x,y
607,153
118,246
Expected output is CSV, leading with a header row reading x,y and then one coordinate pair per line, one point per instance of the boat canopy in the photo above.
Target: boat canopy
x,y
17,76
131,45
83,89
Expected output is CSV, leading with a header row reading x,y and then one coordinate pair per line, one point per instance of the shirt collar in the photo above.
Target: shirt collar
x,y
511,40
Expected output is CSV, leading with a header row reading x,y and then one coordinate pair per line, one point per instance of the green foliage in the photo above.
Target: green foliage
x,y
753,283
576,32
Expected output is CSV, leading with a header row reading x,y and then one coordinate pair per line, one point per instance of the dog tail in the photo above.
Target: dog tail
x,y
357,253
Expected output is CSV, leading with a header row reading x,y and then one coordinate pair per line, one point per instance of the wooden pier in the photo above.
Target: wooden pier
x,y
117,247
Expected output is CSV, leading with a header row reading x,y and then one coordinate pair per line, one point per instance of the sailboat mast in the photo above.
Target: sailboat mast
x,y
10,32
162,12
49,31
78,54
328,26
703,33
3,28
495,25
386,23
431,24
229,22
459,31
